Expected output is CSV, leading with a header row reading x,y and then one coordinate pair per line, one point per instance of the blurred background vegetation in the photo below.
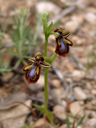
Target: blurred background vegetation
x,y
21,36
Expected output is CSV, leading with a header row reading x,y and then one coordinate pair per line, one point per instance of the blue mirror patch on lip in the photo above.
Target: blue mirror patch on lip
x,y
63,46
32,72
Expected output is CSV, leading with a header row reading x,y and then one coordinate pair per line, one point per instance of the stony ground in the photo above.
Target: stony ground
x,y
72,80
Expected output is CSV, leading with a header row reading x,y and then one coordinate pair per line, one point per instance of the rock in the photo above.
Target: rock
x,y
56,95
88,126
48,7
93,92
90,18
16,114
79,93
41,81
63,126
75,107
59,112
91,114
77,40
56,83
92,122
8,76
73,24
42,123
78,73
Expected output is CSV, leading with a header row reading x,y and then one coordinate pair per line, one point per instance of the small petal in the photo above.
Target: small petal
x,y
27,67
45,64
67,41
32,60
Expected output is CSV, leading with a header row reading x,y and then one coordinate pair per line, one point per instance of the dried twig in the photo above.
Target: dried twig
x,y
63,13
70,90
89,78
14,117
33,112
75,59
60,76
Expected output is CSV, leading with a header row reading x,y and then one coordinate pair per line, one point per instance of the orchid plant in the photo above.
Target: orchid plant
x,y
33,69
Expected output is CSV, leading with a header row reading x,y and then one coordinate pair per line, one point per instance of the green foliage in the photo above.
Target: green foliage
x,y
74,121
25,126
4,67
81,120
57,126
1,35
47,113
47,28
21,37
68,123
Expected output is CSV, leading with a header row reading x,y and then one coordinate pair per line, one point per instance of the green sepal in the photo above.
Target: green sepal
x,y
67,41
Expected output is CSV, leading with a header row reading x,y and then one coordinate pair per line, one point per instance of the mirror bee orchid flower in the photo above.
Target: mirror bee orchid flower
x,y
62,42
33,69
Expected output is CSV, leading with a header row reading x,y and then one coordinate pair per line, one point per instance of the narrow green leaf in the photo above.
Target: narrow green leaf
x,y
13,53
56,126
42,109
44,20
14,19
25,13
14,40
50,26
25,126
68,123
50,116
26,31
81,120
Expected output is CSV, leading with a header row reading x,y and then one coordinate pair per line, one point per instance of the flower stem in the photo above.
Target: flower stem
x,y
46,88
46,75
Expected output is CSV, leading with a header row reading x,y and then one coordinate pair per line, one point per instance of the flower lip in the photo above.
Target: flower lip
x,y
31,73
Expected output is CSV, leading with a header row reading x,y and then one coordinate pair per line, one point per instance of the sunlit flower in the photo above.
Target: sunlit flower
x,y
62,42
33,69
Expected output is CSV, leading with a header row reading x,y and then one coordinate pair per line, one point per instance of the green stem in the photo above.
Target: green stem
x,y
46,76
46,88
